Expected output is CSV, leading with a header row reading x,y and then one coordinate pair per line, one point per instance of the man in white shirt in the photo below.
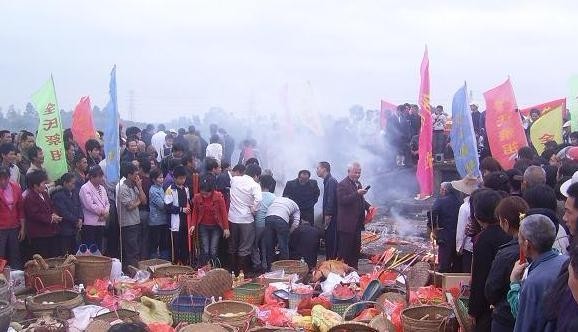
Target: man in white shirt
x,y
215,149
158,140
282,218
245,198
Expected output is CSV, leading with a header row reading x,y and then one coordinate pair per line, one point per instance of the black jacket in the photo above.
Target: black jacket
x,y
305,195
67,205
444,217
329,196
498,282
485,249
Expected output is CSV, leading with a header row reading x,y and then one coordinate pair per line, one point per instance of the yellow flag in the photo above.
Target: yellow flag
x,y
547,128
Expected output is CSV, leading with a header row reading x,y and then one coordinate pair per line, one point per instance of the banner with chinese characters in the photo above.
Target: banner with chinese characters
x,y
463,139
111,133
504,125
548,127
425,162
49,137
573,102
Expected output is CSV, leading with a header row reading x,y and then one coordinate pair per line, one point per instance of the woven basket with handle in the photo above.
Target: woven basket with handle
x,y
57,275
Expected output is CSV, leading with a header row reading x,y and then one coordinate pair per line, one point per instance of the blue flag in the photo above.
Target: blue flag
x,y
463,139
111,133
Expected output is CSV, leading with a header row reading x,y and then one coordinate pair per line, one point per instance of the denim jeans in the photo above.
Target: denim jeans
x,y
209,237
276,232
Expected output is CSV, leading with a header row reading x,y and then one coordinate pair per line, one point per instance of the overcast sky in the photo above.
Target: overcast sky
x,y
182,57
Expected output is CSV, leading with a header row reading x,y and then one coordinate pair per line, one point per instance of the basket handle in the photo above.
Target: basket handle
x,y
66,273
379,306
36,280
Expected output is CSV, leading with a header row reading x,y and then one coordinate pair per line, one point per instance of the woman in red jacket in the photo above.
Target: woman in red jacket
x,y
210,216
41,221
11,219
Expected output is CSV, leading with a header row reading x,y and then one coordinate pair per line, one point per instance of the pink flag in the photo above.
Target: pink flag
x,y
425,162
504,125
82,124
387,109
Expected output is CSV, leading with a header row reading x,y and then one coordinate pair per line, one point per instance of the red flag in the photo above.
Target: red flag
x,y
545,107
387,109
504,125
425,162
82,124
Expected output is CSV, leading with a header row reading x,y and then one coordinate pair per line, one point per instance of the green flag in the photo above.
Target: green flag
x,y
573,102
49,137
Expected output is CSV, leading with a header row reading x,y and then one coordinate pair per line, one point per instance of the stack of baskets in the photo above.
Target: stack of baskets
x,y
152,264
188,309
251,293
291,267
89,268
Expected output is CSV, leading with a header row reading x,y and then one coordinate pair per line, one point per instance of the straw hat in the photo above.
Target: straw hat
x,y
566,124
564,187
467,185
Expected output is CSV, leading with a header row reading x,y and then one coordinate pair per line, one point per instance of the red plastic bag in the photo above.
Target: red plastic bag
x,y
160,327
430,294
273,315
272,299
396,316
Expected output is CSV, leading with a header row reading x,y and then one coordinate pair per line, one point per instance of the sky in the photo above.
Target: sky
x,y
179,58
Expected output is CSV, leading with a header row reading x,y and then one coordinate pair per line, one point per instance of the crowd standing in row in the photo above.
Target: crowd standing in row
x,y
178,199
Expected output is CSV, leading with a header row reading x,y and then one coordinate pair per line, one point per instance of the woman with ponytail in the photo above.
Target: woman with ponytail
x,y
67,205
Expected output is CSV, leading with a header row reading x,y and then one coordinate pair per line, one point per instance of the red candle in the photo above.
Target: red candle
x,y
522,255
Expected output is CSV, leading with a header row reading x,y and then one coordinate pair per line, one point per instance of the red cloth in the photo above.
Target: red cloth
x,y
211,211
38,213
10,218
545,107
425,162
504,125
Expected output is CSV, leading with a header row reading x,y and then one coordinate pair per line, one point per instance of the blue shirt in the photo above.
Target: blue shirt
x,y
542,273
268,199
158,214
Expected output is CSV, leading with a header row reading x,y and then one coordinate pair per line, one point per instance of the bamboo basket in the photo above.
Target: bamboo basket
x,y
215,313
215,283
57,275
64,299
413,318
291,267
89,268
173,271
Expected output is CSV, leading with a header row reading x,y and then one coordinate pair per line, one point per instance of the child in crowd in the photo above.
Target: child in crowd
x,y
177,199
210,217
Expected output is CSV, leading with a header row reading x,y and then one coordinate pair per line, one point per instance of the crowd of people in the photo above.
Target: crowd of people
x,y
179,198
514,231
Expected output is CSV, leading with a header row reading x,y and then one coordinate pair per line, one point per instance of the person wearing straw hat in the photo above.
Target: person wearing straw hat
x,y
464,244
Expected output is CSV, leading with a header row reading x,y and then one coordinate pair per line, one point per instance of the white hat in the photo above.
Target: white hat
x,y
564,187
174,131
566,124
467,185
